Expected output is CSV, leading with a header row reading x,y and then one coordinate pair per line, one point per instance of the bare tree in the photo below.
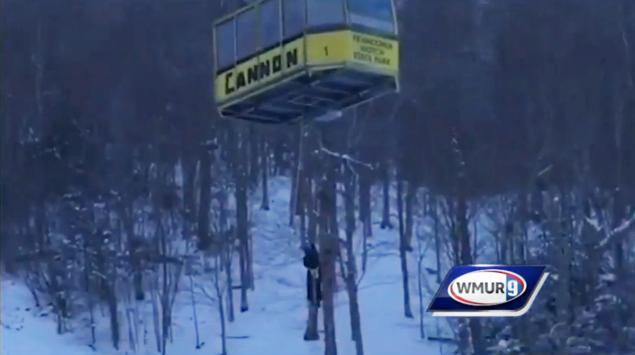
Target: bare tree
x,y
350,270
328,244
403,252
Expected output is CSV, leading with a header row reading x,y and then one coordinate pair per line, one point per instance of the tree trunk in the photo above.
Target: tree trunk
x,y
252,155
351,264
135,247
411,190
242,230
327,262
365,235
522,223
422,333
230,292
250,263
221,308
165,307
328,243
114,316
463,235
619,214
311,332
297,175
307,195
563,253
189,204
356,322
437,241
365,214
204,237
385,220
403,256
194,313
303,227
312,215
265,177
155,314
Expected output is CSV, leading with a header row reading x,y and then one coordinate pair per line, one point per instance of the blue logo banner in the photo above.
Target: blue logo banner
x,y
488,291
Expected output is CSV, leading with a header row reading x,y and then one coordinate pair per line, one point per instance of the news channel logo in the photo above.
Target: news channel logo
x,y
488,291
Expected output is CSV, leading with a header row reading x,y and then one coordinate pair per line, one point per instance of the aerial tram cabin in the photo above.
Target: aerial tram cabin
x,y
284,60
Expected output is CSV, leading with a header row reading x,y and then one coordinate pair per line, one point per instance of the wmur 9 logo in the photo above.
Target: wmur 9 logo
x,y
488,291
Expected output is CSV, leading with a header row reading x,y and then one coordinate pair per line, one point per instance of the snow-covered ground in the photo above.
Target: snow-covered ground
x,y
276,320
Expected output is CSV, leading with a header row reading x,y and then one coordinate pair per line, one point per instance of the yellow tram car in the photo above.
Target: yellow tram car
x,y
284,60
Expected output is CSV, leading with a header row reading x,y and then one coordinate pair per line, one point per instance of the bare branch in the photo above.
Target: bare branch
x,y
345,157
617,232
593,223
545,170
207,294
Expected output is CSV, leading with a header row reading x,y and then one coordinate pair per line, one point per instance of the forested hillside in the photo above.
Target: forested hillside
x,y
511,141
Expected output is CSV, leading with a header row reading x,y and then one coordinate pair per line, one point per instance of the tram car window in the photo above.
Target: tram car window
x,y
246,33
325,12
374,14
270,24
225,41
294,17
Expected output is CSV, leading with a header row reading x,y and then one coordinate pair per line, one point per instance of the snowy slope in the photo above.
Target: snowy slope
x,y
276,320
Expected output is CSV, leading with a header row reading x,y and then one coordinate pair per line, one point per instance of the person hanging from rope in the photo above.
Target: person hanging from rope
x,y
311,261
